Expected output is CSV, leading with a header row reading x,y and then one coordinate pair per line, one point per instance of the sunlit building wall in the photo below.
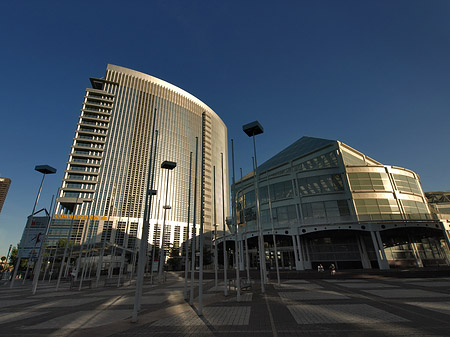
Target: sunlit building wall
x,y
102,196
329,203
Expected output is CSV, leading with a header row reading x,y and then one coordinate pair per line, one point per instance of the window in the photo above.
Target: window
x,y
281,191
377,209
406,184
331,210
323,161
320,184
352,159
369,181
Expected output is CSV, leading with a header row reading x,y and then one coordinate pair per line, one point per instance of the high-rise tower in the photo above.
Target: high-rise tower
x,y
103,191
4,187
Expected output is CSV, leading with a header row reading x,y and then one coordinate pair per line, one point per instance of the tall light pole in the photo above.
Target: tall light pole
x,y
44,169
252,129
186,244
37,265
169,166
225,257
234,221
149,192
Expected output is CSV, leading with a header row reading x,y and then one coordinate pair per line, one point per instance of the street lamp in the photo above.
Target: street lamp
x,y
252,129
168,165
44,169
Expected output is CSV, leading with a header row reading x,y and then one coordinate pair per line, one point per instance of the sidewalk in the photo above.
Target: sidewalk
x,y
343,306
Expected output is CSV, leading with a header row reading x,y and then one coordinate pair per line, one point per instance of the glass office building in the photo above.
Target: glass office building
x,y
329,203
103,192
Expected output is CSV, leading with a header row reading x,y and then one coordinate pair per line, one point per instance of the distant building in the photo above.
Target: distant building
x,y
4,187
326,202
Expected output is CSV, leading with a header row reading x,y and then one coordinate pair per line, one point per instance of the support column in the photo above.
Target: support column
x,y
447,241
304,245
294,247
416,252
379,250
363,252
301,256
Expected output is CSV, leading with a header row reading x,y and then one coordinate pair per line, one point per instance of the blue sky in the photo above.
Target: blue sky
x,y
372,74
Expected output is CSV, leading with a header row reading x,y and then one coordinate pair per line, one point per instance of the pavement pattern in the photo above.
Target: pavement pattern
x,y
373,306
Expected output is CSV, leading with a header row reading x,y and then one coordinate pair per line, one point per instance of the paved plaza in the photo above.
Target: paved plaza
x,y
375,305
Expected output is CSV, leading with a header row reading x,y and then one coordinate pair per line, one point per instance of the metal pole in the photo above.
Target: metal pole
x,y
157,215
202,199
53,264
102,251
194,227
124,246
154,241
262,255
144,238
273,233
236,250
22,245
67,244
216,258
162,252
186,244
225,257
38,264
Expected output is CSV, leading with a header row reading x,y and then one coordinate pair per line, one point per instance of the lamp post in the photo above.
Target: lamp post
x,y
44,169
168,165
252,129
37,265
145,226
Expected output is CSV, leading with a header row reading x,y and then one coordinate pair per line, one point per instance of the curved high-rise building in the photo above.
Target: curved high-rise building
x,y
104,188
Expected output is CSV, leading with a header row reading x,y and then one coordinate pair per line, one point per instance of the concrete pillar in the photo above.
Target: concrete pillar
x,y
447,241
298,266
363,252
379,250
417,255
306,258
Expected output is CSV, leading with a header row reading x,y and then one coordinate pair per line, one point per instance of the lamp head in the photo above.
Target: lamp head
x,y
169,165
45,169
253,128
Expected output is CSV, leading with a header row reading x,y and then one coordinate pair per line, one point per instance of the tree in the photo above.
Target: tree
x,y
13,258
175,259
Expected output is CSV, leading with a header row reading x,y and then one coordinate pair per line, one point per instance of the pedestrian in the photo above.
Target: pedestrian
x,y
320,268
333,269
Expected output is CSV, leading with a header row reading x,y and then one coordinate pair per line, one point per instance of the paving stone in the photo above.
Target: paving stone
x,y
83,319
405,293
366,285
212,315
296,281
431,284
245,297
62,303
442,307
344,280
12,303
299,286
51,294
341,313
311,295
6,317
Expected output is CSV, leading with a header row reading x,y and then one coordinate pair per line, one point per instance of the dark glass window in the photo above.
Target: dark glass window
x,y
320,184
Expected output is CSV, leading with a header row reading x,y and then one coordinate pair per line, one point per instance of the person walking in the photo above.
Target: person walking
x,y
333,269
